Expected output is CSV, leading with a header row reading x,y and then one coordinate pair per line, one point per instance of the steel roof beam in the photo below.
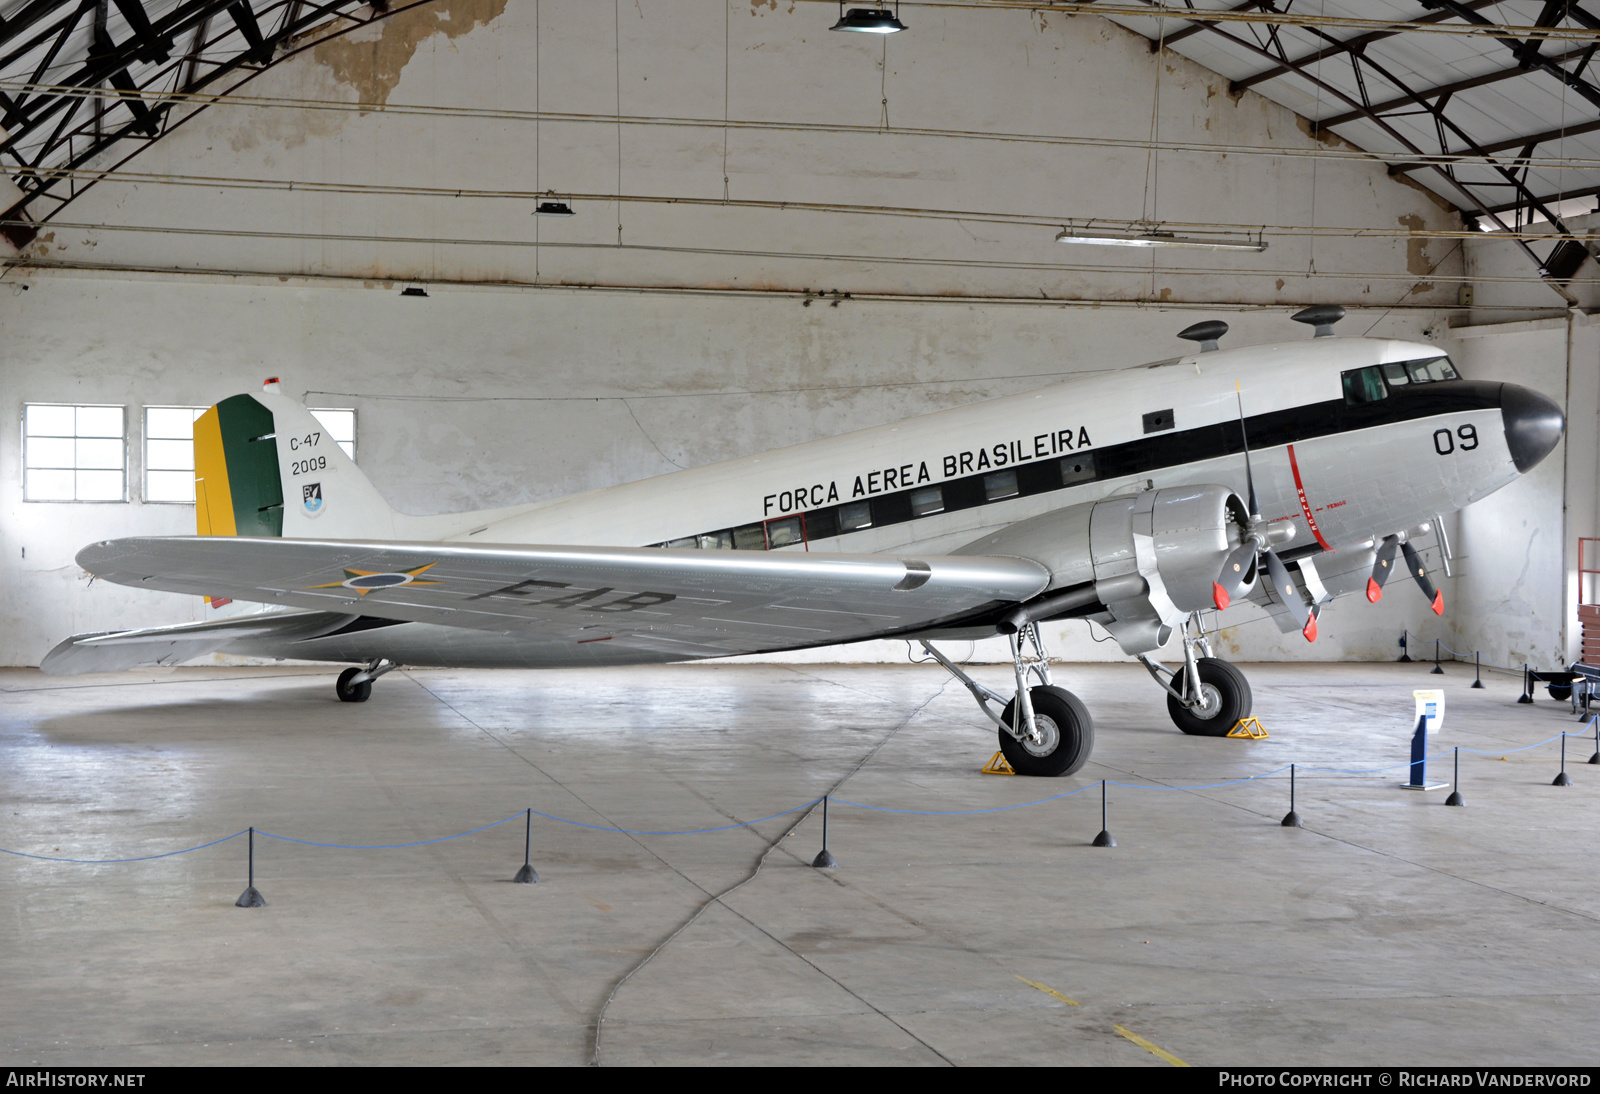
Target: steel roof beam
x,y
1513,206
152,47
1199,25
1530,140
1472,200
1447,89
88,140
1518,49
1359,42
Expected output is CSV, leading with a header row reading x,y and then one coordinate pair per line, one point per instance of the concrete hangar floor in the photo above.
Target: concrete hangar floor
x,y
1389,929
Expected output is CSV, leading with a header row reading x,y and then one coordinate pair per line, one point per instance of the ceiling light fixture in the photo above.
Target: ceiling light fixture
x,y
870,20
553,206
1151,237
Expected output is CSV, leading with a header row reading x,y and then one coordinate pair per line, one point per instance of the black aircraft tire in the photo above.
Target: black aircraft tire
x,y
352,693
1069,735
1233,693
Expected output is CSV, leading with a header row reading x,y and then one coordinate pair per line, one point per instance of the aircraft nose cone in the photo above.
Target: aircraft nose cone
x,y
1533,425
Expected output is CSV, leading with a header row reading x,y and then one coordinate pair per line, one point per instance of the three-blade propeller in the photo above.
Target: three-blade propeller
x,y
1243,564
1383,565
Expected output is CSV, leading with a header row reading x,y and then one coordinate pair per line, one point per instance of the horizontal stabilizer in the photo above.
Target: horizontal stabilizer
x,y
734,601
110,651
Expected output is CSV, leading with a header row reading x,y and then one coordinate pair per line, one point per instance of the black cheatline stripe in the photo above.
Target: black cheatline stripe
x,y
1047,475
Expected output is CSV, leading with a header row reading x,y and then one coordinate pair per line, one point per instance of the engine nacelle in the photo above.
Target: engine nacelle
x,y
1140,562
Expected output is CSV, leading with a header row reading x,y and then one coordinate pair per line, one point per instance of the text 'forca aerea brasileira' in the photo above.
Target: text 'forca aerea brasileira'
x,y
1004,454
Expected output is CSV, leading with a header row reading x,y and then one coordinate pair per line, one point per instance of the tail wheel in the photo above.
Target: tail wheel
x,y
352,693
1066,730
1226,698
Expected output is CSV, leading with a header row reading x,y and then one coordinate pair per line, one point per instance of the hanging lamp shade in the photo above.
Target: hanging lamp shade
x,y
869,20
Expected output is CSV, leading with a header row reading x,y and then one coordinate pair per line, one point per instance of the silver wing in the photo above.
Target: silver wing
x,y
543,605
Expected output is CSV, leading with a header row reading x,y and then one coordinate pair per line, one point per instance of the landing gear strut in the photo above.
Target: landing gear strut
x,y
355,685
1044,730
1207,696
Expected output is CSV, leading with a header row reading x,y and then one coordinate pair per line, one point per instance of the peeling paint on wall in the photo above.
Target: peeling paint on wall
x,y
373,66
1417,260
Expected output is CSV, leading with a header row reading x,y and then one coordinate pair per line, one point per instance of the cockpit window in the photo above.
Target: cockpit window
x,y
1364,385
1430,369
1368,385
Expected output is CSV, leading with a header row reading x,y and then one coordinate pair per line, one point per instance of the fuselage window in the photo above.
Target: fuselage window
x,y
855,516
1077,469
1394,373
926,502
752,537
716,541
686,541
1364,385
1001,484
784,532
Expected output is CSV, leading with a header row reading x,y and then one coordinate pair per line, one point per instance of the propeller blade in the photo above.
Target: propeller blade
x,y
1420,573
1249,479
1238,574
1381,568
1284,591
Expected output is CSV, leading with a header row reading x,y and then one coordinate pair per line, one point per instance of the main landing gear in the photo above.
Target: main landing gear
x,y
355,685
1044,730
1207,696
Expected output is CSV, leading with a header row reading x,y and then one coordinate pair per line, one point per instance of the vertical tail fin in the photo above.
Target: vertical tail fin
x,y
265,467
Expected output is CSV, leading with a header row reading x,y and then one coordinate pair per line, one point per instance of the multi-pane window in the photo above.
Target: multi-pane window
x,y
341,426
169,453
74,453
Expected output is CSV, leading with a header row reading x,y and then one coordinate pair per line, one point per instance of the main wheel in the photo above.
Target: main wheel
x,y
1226,698
352,693
1065,725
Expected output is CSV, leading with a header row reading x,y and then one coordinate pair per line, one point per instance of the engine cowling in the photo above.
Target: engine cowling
x,y
1136,563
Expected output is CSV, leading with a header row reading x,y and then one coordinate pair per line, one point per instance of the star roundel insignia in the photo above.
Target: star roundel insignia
x,y
366,581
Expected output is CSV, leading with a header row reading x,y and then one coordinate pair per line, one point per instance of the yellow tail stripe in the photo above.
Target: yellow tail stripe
x,y
213,497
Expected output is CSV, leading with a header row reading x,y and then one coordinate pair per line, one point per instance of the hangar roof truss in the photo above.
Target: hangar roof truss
x,y
1504,127
86,84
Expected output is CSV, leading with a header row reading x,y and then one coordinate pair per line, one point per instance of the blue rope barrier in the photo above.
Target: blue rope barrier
x,y
787,812
961,812
1206,786
138,858
679,832
391,846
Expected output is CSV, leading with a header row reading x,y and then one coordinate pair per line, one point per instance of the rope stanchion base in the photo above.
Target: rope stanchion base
x,y
1291,819
824,860
1103,840
1455,798
251,898
998,765
527,875
1562,779
1249,728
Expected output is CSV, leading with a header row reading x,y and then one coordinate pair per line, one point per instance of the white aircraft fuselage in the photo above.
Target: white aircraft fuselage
x,y
1343,473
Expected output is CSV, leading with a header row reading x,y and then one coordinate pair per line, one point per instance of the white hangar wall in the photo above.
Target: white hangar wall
x,y
533,371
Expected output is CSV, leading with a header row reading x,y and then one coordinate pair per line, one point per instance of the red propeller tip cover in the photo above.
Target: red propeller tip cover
x,y
1438,602
1311,629
1374,590
1219,596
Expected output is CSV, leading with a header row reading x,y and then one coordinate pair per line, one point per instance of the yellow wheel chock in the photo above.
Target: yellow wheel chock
x,y
998,766
1248,727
